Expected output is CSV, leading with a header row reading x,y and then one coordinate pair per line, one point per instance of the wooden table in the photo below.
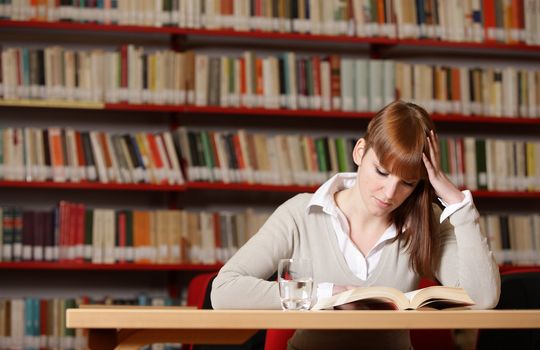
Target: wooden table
x,y
124,328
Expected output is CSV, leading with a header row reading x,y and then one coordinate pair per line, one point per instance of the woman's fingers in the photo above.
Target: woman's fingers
x,y
433,147
427,162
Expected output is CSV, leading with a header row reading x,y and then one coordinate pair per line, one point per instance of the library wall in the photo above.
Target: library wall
x,y
195,119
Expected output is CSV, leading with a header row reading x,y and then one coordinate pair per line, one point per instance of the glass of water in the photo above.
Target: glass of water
x,y
295,277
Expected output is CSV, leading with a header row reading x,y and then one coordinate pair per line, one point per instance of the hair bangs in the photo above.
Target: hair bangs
x,y
401,155
407,165
398,135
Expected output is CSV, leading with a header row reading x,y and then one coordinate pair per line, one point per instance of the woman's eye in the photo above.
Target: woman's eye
x,y
408,184
380,172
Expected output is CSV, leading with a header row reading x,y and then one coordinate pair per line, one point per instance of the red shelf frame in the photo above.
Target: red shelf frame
x,y
469,45
92,186
298,113
25,265
220,186
264,35
249,187
506,194
303,113
506,268
461,118
299,189
257,34
64,266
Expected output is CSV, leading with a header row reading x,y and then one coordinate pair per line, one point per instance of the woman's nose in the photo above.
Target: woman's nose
x,y
390,189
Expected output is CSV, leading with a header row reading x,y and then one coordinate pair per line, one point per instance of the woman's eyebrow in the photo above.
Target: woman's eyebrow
x,y
378,164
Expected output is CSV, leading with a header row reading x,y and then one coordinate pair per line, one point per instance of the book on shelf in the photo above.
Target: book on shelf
x,y
463,159
68,155
283,80
470,21
242,156
379,297
37,322
513,238
72,233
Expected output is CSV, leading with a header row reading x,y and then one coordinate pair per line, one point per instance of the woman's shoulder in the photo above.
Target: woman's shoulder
x,y
294,206
300,201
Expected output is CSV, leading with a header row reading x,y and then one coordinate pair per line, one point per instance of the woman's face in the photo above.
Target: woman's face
x,y
381,191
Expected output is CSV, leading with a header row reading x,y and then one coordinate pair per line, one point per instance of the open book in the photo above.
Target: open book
x,y
437,297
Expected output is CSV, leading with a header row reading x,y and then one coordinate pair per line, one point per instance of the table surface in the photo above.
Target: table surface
x,y
140,317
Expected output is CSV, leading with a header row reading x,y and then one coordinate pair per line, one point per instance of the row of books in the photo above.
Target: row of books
x,y
514,239
454,20
31,323
497,92
35,323
73,232
65,154
295,159
284,80
167,77
242,156
256,157
469,20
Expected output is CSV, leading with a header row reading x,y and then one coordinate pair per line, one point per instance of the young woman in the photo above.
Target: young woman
x,y
379,226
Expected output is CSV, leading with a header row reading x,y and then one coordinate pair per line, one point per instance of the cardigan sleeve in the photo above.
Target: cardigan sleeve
x,y
466,259
242,281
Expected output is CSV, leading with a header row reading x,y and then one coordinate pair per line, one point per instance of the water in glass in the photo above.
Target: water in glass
x,y
296,294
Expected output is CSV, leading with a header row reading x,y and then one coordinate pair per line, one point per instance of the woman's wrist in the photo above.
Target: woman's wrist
x,y
454,197
448,192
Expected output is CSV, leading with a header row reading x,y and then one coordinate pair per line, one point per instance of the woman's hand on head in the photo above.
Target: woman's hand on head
x,y
443,187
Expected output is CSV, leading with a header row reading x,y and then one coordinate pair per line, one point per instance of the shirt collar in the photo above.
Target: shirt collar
x,y
324,198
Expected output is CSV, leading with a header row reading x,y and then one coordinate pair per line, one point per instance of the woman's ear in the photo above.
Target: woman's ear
x,y
358,151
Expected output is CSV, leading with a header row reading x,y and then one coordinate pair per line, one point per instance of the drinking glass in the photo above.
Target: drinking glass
x,y
295,279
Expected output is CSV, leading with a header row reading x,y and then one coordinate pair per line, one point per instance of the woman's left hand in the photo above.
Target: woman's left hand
x,y
443,187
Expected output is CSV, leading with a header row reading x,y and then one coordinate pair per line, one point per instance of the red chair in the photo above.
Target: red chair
x,y
276,339
197,289
197,292
441,339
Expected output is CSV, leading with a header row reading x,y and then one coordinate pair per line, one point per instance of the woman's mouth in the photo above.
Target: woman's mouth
x,y
381,203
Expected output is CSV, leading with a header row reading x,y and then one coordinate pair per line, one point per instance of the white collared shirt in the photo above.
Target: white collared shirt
x,y
362,266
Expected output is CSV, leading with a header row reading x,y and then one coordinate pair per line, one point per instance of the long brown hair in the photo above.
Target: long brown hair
x,y
398,135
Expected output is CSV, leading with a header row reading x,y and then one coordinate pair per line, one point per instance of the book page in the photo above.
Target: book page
x,y
410,295
379,295
439,297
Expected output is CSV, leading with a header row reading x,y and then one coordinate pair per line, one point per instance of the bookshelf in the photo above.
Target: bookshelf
x,y
266,112
195,186
202,193
260,35
45,266
91,186
376,46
